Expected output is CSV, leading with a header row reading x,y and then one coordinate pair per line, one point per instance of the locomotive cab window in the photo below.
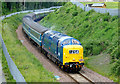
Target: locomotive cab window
x,y
66,42
75,42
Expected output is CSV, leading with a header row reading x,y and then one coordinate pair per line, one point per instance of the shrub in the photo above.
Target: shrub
x,y
56,12
75,13
106,18
108,28
115,53
90,12
114,18
67,10
68,4
74,7
86,18
96,50
94,18
86,25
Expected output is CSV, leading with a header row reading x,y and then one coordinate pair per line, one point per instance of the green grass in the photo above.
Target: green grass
x,y
109,5
101,64
97,32
29,66
5,68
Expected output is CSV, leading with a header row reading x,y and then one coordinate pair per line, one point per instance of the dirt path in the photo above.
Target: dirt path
x,y
43,60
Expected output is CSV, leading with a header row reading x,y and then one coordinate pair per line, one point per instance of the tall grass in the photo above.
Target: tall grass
x,y
27,63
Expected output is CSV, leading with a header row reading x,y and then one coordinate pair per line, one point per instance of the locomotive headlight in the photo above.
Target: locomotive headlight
x,y
73,59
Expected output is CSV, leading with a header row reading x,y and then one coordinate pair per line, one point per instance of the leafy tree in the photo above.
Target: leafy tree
x,y
9,7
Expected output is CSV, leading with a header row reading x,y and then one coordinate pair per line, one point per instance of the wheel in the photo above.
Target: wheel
x,y
41,49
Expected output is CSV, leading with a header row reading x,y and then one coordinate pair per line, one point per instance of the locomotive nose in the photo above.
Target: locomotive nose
x,y
72,53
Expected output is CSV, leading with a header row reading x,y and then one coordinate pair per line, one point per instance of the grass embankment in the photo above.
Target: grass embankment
x,y
97,32
109,5
5,68
29,66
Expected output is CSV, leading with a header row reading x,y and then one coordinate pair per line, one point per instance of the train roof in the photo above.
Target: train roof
x,y
34,25
59,36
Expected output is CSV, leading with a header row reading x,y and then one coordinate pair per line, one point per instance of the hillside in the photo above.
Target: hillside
x,y
98,34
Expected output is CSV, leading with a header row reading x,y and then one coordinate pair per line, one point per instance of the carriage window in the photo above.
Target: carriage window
x,y
75,41
35,34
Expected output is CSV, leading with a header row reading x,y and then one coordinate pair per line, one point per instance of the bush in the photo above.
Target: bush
x,y
56,12
114,18
86,18
86,25
75,13
67,10
106,18
96,50
74,7
68,4
90,12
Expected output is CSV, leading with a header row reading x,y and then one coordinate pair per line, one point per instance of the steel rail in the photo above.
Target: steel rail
x,y
86,78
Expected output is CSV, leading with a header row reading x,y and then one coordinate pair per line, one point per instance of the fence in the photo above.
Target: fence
x,y
13,68
112,12
26,11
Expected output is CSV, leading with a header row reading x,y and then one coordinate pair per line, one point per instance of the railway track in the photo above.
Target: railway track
x,y
79,78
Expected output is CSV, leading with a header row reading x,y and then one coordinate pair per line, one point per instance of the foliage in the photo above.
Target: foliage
x,y
75,13
29,66
116,69
5,68
97,32
9,7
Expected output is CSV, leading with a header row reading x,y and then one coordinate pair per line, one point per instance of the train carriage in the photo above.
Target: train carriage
x,y
32,29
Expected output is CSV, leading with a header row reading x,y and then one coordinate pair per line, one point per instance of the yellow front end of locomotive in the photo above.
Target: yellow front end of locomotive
x,y
72,53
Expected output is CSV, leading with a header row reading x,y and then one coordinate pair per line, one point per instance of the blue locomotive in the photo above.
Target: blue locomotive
x,y
65,51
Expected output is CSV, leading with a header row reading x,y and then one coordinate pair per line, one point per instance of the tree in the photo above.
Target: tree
x,y
9,7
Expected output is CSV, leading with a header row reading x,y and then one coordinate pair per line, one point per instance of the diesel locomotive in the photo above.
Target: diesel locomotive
x,y
65,51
